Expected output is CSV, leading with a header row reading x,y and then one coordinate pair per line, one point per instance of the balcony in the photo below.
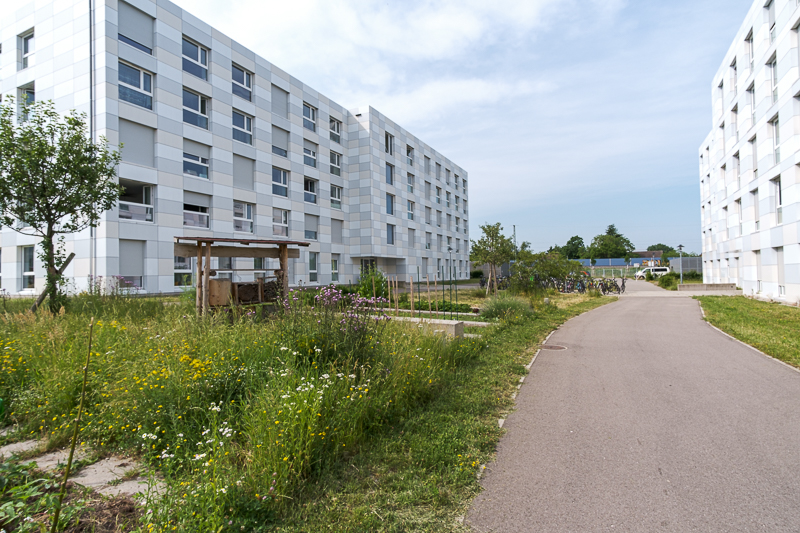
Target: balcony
x,y
137,212
195,220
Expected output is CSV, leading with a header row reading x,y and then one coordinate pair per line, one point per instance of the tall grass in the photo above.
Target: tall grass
x,y
237,417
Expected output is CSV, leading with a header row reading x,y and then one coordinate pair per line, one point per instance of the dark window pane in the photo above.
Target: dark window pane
x,y
238,120
135,97
190,49
195,169
195,69
242,136
280,151
195,119
241,92
191,100
133,43
280,190
129,75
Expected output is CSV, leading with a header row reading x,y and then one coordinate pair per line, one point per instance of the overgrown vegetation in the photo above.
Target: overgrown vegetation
x,y
324,418
772,328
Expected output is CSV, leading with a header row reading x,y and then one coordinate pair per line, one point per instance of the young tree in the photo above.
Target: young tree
x,y
610,244
55,180
575,248
493,248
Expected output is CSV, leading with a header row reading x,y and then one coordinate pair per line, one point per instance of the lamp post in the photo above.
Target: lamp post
x,y
450,276
680,250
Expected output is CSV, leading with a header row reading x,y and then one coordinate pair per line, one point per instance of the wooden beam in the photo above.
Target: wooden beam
x,y
284,259
190,250
198,304
206,278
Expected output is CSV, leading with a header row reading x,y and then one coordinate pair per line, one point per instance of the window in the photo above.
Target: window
x,y
312,223
389,143
410,183
280,142
751,99
427,215
389,233
242,128
313,262
310,154
136,201
310,191
337,231
135,86
449,222
28,275
138,143
309,117
334,267
27,49
457,200
409,155
389,174
458,228
242,84
773,78
195,59
336,164
195,216
280,222
737,170
280,102
779,259
27,96
753,149
195,109
734,77
447,176
412,238
427,165
739,214
280,182
224,263
770,7
458,245
259,263
194,165
427,241
410,207
244,171
427,190
336,130
183,271
242,217
438,219
748,46
438,171
776,139
336,197
756,209
465,226
389,204
438,195
778,193
757,254
447,198
135,28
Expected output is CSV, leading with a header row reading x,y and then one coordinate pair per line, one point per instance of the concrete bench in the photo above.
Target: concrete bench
x,y
451,328
707,287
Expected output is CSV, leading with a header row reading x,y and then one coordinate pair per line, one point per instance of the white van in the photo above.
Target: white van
x,y
655,271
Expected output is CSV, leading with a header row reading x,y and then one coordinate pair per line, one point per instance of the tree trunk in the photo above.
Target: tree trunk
x,y
51,287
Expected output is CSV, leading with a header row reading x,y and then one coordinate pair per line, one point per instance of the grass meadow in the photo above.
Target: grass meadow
x,y
324,417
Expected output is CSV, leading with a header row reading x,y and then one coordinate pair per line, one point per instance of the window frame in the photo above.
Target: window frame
x,y
196,62
334,267
245,87
313,260
147,205
391,234
281,183
410,182
181,274
281,222
390,204
199,211
28,275
309,157
203,103
336,197
310,190
335,130
28,49
198,161
247,216
245,131
145,78
410,209
410,155
309,117
336,163
390,173
389,143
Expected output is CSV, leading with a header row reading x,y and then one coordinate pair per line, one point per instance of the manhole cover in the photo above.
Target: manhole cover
x,y
553,347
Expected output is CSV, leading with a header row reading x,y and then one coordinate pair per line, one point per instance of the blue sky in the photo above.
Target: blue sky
x,y
569,115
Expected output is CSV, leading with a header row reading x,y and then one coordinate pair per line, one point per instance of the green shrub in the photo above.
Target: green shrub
x,y
648,276
373,283
669,280
475,274
506,307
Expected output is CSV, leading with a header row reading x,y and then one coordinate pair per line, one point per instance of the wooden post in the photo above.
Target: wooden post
x,y
436,292
199,281
206,277
284,263
412,295
373,286
397,296
389,290
428,284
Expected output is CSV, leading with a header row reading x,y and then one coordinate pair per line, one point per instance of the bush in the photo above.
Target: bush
x,y
475,274
693,275
669,280
506,307
648,276
373,283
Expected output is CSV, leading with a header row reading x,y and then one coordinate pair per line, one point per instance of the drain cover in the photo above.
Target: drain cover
x,y
553,347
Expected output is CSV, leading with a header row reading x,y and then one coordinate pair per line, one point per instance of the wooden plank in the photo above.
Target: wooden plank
x,y
199,282
219,292
284,257
206,278
190,250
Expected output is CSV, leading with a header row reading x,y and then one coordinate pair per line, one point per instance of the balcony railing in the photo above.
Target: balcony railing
x,y
195,220
138,212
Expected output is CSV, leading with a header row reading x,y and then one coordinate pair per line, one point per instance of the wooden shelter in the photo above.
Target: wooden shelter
x,y
224,292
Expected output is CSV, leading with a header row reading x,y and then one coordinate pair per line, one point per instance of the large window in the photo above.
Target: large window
x,y
135,86
778,193
280,182
242,217
28,275
334,267
389,204
182,272
242,84
195,59
310,154
389,174
775,126
195,216
280,222
409,155
136,201
336,164
134,27
280,142
336,130
195,165
410,183
336,197
773,78
309,117
389,143
410,206
27,49
389,233
313,266
195,109
311,227
242,128
310,190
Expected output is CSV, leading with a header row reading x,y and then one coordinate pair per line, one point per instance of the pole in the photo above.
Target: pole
x,y
418,298
456,298
428,283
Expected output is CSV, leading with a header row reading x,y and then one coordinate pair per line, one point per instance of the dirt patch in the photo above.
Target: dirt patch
x,y
113,515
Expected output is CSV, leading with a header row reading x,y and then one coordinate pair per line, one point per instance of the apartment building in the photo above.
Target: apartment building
x,y
216,141
749,177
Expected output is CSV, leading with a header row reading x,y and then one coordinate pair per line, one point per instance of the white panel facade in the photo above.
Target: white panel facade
x,y
220,142
749,175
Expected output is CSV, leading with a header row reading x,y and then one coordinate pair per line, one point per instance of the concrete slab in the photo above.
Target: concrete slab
x,y
452,328
53,460
17,447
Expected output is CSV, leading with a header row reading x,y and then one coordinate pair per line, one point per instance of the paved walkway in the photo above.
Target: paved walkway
x,y
650,420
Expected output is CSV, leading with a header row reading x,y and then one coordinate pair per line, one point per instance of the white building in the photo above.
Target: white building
x,y
220,142
749,176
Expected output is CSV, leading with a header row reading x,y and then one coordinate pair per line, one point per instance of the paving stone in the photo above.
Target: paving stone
x,y
18,447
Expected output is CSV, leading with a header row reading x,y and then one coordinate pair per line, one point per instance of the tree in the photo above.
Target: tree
x,y
668,251
610,244
575,248
55,180
530,268
493,248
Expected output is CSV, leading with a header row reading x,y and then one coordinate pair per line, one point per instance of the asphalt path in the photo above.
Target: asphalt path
x,y
650,420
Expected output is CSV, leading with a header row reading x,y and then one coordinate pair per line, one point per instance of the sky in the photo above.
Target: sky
x,y
568,115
